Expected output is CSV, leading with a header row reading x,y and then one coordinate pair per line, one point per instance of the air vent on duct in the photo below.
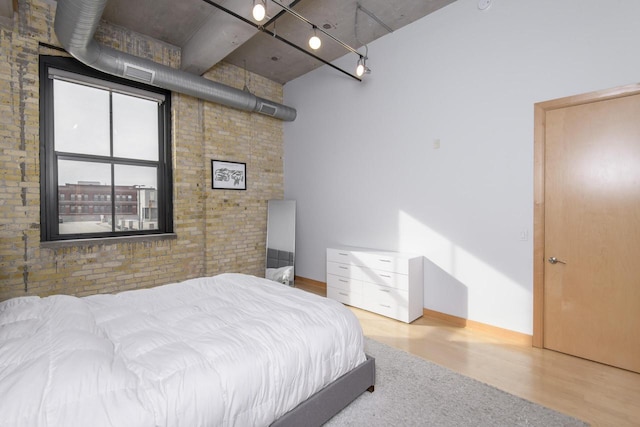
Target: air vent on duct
x,y
267,109
138,73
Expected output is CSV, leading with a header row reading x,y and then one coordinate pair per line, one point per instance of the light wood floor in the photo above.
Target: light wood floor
x,y
598,394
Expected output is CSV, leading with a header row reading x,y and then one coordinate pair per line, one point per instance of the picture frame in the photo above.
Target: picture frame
x,y
227,175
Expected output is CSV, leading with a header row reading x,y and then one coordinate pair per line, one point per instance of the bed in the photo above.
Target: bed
x,y
228,350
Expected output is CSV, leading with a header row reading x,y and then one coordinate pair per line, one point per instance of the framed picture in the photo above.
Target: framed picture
x,y
228,175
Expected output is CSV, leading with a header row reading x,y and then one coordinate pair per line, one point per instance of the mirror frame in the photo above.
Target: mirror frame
x,y
281,241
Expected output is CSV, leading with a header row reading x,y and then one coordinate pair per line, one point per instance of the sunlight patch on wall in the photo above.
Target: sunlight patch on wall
x,y
479,277
415,237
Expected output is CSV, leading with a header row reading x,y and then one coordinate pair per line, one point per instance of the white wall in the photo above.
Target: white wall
x,y
360,162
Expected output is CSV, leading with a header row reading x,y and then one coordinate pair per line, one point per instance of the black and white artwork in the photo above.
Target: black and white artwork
x,y
228,175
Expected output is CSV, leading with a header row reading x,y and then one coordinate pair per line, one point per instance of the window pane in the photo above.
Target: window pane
x,y
93,130
135,127
84,197
81,119
136,206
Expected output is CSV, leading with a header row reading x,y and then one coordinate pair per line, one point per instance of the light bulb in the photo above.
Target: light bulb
x,y
360,69
259,11
315,42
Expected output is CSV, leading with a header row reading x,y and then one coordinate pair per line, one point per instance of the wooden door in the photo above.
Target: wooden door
x,y
591,272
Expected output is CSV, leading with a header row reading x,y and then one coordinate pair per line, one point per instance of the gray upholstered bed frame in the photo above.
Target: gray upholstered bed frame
x,y
323,405
326,403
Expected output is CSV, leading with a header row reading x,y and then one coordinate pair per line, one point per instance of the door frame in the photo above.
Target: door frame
x,y
539,132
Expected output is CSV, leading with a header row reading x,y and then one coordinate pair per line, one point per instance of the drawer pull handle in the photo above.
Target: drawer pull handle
x,y
343,281
343,294
343,254
385,260
385,306
343,267
385,275
385,290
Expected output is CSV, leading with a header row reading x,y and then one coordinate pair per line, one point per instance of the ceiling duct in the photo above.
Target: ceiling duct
x,y
75,24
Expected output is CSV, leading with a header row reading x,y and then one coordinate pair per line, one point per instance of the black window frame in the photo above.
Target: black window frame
x,y
49,220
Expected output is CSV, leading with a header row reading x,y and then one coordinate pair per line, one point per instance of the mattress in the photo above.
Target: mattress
x,y
229,350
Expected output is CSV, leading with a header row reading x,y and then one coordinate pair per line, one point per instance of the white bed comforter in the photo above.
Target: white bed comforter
x,y
226,350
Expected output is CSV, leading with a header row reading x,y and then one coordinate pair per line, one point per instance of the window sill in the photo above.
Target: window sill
x,y
108,240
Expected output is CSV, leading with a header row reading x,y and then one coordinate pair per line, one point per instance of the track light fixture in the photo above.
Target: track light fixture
x,y
361,68
314,41
259,9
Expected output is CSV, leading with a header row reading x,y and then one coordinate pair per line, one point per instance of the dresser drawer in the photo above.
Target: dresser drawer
x,y
343,270
381,261
340,256
386,278
344,283
386,301
345,297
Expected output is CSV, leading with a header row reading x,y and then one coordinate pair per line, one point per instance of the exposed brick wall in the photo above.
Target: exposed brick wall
x,y
218,230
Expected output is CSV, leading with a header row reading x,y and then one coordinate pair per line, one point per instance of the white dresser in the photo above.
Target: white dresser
x,y
387,283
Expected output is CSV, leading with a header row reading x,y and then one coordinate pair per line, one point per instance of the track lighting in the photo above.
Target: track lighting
x,y
361,68
259,9
259,13
314,41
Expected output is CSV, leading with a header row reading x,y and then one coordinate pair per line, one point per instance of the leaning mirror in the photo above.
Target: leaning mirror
x,y
281,241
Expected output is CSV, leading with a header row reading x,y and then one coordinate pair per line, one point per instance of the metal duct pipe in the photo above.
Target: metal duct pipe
x,y
75,24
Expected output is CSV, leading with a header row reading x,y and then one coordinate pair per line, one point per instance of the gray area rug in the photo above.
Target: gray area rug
x,y
411,391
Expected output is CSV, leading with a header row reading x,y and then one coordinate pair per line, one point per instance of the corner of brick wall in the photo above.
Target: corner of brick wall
x,y
217,230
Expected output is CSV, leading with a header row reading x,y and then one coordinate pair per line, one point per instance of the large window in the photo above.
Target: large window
x,y
105,157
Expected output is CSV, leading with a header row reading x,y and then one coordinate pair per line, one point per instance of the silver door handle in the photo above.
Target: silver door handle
x,y
554,260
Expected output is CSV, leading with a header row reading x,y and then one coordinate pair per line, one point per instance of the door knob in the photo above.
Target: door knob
x,y
554,260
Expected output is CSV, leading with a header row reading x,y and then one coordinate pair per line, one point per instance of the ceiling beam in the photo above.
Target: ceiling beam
x,y
219,35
